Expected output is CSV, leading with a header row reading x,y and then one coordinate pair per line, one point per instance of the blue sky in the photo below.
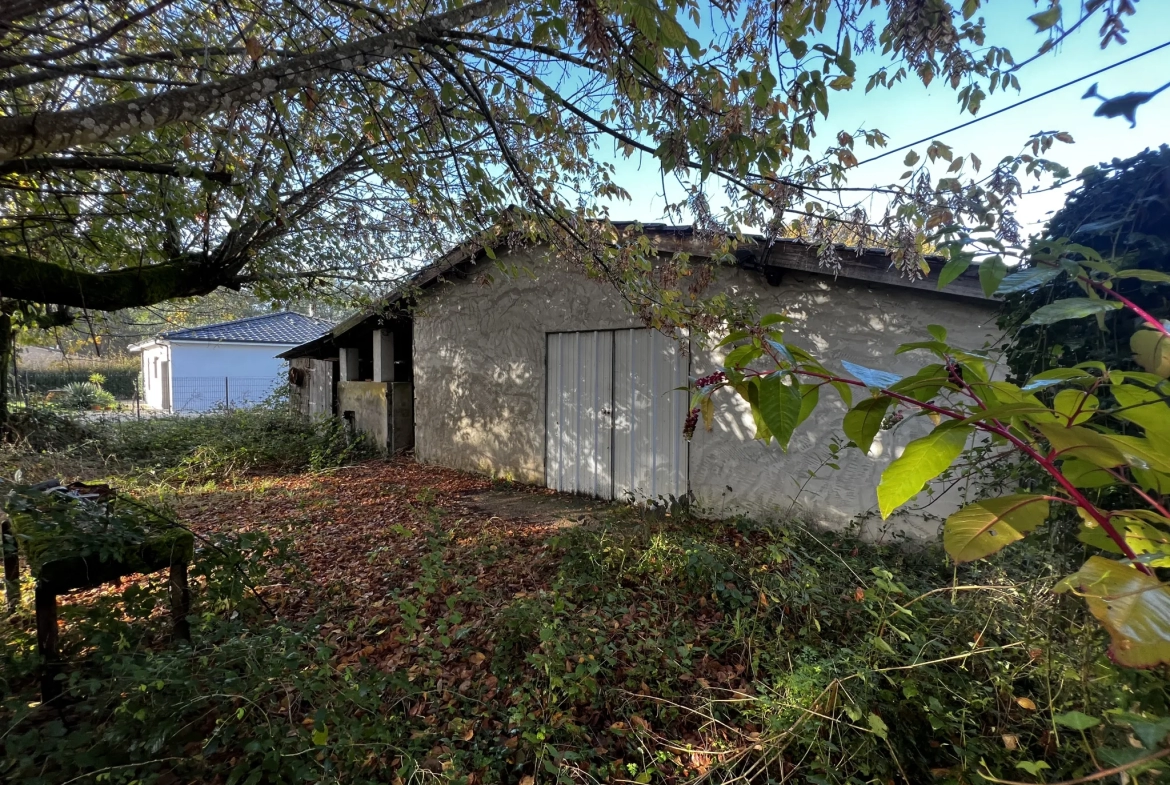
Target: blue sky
x,y
910,111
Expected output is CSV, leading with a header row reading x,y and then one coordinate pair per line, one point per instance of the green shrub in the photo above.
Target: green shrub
x,y
87,395
222,444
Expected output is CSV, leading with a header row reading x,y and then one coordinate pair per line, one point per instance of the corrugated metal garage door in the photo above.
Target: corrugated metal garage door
x,y
614,420
580,413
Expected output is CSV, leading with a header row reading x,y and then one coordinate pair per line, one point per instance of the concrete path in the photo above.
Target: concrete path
x,y
546,508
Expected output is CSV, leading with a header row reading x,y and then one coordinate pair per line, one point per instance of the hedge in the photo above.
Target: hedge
x,y
119,381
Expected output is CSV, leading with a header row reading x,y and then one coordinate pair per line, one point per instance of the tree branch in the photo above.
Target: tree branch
x,y
26,135
24,278
99,163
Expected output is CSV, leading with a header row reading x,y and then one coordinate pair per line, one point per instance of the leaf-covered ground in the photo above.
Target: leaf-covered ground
x,y
423,636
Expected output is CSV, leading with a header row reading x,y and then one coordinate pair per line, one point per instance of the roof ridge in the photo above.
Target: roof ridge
x,y
241,320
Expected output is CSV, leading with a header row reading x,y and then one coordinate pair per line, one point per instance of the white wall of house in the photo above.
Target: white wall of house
x,y
480,381
155,374
205,375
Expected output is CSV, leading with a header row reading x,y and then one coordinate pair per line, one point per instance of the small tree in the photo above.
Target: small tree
x,y
1088,427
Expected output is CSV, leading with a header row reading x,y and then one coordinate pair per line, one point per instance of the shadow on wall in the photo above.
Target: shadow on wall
x,y
481,414
732,473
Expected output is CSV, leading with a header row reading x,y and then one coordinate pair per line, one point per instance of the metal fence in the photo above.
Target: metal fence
x,y
205,393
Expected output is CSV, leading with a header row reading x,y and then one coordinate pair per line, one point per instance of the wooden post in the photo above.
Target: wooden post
x,y
180,602
11,566
46,607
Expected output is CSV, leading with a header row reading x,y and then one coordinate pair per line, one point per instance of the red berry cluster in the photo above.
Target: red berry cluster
x,y
690,424
707,381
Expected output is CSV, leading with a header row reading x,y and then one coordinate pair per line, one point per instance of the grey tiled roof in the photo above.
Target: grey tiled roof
x,y
284,327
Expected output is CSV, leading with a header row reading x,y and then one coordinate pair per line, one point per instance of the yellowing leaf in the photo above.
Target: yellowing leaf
x,y
1076,406
1151,350
707,406
1142,453
923,460
1142,407
321,736
1026,703
1132,606
982,528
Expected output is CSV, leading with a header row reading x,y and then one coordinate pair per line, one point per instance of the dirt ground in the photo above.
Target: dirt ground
x,y
364,531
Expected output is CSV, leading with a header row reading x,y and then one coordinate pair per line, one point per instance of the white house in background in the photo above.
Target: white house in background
x,y
227,364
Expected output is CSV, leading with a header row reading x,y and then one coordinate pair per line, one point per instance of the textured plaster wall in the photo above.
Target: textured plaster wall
x,y
837,320
369,403
479,356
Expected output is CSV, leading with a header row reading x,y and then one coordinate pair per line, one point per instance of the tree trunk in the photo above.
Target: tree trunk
x,y
7,354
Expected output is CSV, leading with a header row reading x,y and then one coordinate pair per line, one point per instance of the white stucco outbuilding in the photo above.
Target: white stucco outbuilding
x,y
225,364
547,377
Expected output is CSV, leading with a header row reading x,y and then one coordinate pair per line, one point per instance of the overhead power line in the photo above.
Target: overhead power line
x,y
981,118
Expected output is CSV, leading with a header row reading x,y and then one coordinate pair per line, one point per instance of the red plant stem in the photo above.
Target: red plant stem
x,y
1149,318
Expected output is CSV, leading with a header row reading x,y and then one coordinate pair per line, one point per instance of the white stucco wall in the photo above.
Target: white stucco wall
x,y
479,362
198,371
730,472
479,357
153,369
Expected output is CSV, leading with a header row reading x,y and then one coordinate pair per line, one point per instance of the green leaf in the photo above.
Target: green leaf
x,y
780,406
925,383
1083,474
1033,767
737,335
742,355
954,267
982,528
321,736
1028,278
810,395
1080,442
878,727
872,378
1154,276
991,273
1044,20
924,459
911,158
774,318
937,331
845,391
1072,308
864,420
1077,720
1132,606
